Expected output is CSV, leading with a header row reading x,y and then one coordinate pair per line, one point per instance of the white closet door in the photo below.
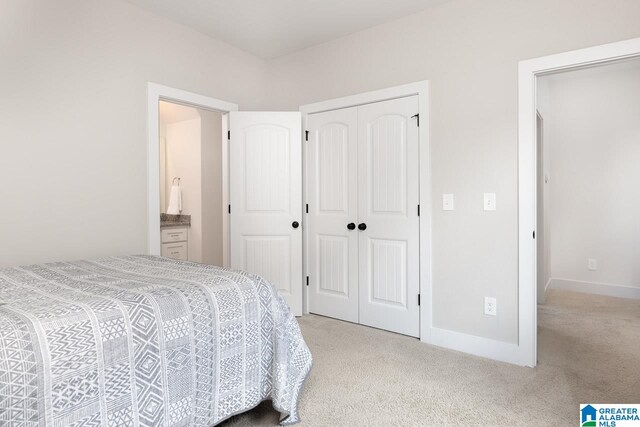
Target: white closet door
x,y
388,200
266,199
332,181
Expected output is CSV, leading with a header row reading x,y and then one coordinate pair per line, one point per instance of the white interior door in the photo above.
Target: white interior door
x,y
388,197
266,199
332,180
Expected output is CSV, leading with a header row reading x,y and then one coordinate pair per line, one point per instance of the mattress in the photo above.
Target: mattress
x,y
144,341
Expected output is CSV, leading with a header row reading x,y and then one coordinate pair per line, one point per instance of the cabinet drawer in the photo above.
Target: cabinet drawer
x,y
175,250
177,234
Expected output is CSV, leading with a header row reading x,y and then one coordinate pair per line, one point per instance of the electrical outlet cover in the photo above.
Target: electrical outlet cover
x,y
490,306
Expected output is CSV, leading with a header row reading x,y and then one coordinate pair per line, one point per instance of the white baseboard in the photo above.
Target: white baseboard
x,y
619,291
478,346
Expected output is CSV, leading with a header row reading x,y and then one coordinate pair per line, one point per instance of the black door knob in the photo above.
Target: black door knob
x,y
351,226
295,224
362,226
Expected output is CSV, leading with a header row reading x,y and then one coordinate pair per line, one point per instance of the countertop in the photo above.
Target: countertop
x,y
167,220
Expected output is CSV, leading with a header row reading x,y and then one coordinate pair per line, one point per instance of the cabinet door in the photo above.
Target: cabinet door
x,y
174,234
177,251
332,162
388,197
266,199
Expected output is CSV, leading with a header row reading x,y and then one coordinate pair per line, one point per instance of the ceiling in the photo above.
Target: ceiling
x,y
270,28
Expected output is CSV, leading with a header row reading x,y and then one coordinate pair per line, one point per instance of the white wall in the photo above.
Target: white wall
x,y
163,167
193,146
211,161
543,229
593,137
469,50
184,160
73,120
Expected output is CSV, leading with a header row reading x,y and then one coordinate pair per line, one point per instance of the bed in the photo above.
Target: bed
x,y
144,340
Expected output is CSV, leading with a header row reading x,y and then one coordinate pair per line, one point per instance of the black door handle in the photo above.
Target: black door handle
x,y
362,226
295,224
351,226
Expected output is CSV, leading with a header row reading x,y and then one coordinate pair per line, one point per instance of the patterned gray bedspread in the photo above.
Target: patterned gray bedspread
x,y
144,341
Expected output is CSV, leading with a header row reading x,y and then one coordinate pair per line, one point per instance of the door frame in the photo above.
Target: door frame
x,y
155,94
421,89
528,71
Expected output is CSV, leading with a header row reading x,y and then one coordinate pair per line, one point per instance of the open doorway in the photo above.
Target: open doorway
x,y
191,182
529,76
173,115
588,228
588,137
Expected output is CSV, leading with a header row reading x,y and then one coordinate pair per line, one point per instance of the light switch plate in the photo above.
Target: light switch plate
x,y
592,264
447,202
489,201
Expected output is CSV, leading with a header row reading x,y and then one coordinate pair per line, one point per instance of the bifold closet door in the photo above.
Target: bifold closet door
x,y
388,228
265,194
332,195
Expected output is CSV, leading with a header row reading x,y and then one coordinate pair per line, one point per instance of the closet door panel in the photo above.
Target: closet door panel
x,y
388,198
332,197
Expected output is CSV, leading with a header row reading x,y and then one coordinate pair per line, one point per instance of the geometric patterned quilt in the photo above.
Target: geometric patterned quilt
x,y
144,341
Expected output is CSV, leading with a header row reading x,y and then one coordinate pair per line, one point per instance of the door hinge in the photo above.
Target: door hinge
x,y
307,208
229,135
229,209
307,280
306,135
418,210
418,299
417,116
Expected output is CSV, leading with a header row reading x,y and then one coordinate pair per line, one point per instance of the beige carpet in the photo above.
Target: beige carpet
x,y
589,351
